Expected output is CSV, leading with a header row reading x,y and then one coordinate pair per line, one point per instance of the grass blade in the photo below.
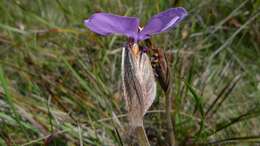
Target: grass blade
x,y
199,106
248,115
8,99
197,99
236,140
225,96
225,91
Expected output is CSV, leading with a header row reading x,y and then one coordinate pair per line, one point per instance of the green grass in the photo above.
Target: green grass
x,y
60,83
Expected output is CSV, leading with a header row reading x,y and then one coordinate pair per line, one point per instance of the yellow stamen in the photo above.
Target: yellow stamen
x,y
135,49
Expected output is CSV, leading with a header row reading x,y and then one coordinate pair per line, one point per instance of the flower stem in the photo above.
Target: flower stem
x,y
141,136
136,135
170,127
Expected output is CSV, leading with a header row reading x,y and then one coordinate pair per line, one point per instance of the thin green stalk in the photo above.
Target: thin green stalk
x,y
170,127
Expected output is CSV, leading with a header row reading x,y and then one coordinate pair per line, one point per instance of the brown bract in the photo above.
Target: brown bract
x,y
138,83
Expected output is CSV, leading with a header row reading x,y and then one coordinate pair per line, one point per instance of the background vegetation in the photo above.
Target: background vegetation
x,y
60,83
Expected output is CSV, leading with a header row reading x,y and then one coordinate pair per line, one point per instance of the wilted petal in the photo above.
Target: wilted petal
x,y
138,84
163,22
106,24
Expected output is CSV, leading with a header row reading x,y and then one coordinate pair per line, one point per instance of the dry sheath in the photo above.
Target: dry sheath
x,y
138,83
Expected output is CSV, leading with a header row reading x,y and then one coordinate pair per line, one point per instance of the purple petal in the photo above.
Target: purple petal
x,y
163,22
106,24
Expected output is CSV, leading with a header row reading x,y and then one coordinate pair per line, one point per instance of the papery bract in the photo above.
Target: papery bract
x,y
138,84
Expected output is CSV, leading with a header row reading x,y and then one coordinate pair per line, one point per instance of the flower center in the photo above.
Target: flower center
x,y
135,49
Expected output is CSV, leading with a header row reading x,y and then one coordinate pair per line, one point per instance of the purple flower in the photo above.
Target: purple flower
x,y
106,24
137,73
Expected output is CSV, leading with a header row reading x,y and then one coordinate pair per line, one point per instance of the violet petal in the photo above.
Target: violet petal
x,y
106,24
163,22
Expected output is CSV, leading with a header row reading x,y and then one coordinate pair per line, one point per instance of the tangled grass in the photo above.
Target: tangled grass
x,y
60,84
